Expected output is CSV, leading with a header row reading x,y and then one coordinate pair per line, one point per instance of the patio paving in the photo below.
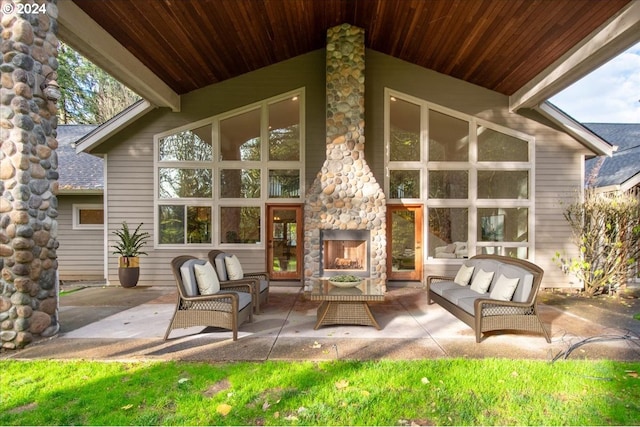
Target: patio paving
x,y
114,323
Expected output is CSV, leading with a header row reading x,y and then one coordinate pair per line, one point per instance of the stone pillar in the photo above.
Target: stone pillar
x,y
28,172
345,195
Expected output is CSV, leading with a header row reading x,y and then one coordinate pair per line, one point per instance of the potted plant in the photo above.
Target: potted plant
x,y
129,248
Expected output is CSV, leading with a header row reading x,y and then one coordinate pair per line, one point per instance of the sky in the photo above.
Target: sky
x,y
610,94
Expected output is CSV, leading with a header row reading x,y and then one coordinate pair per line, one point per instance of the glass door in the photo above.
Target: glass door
x,y
404,242
284,244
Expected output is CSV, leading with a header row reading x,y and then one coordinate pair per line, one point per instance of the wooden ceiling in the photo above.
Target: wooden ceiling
x,y
498,44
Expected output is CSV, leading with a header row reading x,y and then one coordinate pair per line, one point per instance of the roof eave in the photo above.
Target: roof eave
x,y
84,34
608,41
80,192
575,129
113,126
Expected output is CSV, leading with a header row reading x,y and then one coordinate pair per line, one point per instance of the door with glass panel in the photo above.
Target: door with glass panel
x,y
284,242
404,242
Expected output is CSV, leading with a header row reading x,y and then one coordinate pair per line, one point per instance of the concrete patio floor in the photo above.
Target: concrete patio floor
x,y
114,323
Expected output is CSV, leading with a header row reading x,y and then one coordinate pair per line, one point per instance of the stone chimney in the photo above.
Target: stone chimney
x,y
345,194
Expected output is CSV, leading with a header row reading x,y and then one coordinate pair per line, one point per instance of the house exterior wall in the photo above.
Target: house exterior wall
x,y
558,158
130,183
130,186
81,251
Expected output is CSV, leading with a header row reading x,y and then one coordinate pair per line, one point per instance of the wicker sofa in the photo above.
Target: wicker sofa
x,y
482,312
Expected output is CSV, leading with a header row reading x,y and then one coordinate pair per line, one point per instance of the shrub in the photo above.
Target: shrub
x,y
606,229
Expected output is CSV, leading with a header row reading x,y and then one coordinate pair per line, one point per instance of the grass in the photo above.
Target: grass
x,y
429,392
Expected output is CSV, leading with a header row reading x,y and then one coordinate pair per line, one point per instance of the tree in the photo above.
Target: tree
x,y
606,229
88,94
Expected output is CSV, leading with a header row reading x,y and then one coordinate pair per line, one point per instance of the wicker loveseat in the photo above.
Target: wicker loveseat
x,y
482,312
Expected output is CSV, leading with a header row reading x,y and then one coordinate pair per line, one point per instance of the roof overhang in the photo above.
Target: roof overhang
x,y
113,126
608,41
80,192
83,34
623,188
575,129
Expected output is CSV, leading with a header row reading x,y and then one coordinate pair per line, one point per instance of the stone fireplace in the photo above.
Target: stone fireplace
x,y
344,252
345,208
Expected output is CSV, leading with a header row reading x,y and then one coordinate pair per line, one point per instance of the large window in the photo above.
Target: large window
x,y
474,178
214,177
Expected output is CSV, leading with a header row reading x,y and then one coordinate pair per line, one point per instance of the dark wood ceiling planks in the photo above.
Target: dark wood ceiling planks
x,y
497,44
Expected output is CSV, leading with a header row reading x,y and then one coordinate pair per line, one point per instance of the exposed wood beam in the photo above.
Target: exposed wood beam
x,y
620,33
83,34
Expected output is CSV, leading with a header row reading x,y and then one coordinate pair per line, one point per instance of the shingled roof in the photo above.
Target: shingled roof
x,y
78,172
623,167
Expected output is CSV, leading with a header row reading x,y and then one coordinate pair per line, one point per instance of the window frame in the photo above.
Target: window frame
x,y
216,165
75,214
472,166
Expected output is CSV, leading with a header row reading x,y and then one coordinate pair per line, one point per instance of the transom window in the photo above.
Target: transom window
x,y
213,177
473,177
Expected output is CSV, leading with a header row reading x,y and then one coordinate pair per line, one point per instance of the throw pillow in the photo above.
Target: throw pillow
x,y
481,281
207,279
234,269
504,288
464,275
449,249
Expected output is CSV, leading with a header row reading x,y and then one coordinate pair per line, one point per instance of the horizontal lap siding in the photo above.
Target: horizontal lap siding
x,y
558,162
81,252
130,185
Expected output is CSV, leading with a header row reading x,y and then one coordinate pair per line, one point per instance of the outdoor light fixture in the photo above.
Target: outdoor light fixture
x,y
51,90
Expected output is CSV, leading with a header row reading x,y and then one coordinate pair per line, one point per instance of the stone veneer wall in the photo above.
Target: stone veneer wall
x,y
28,174
345,195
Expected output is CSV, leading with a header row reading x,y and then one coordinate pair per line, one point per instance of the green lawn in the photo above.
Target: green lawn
x,y
441,392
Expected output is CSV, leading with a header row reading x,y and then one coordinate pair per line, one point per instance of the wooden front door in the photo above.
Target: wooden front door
x,y
284,242
404,242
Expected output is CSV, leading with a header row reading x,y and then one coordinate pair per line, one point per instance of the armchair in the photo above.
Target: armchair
x,y
223,260
227,308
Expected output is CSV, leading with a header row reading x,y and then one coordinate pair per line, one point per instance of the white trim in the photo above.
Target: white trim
x,y
105,239
84,34
216,165
112,126
619,33
75,215
575,129
472,166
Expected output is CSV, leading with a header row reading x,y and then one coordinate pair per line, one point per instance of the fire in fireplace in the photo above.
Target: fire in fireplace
x,y
344,251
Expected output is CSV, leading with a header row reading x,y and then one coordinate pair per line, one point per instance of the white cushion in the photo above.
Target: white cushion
x,y
504,288
481,281
464,275
234,269
189,277
221,267
207,279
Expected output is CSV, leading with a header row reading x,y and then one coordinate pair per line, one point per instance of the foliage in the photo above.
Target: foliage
x,y
345,278
421,392
606,229
130,244
89,95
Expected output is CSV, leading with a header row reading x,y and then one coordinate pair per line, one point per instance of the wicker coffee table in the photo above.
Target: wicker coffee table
x,y
346,306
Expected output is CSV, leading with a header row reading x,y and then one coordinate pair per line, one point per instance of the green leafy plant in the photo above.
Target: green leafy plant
x,y
346,278
606,230
130,244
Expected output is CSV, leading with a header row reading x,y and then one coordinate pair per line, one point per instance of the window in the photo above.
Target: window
x,y
473,177
88,217
213,177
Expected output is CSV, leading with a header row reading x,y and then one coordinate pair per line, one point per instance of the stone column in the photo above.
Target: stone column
x,y
28,172
345,195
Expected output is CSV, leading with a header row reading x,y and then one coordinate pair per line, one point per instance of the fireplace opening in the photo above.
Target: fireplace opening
x,y
344,252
